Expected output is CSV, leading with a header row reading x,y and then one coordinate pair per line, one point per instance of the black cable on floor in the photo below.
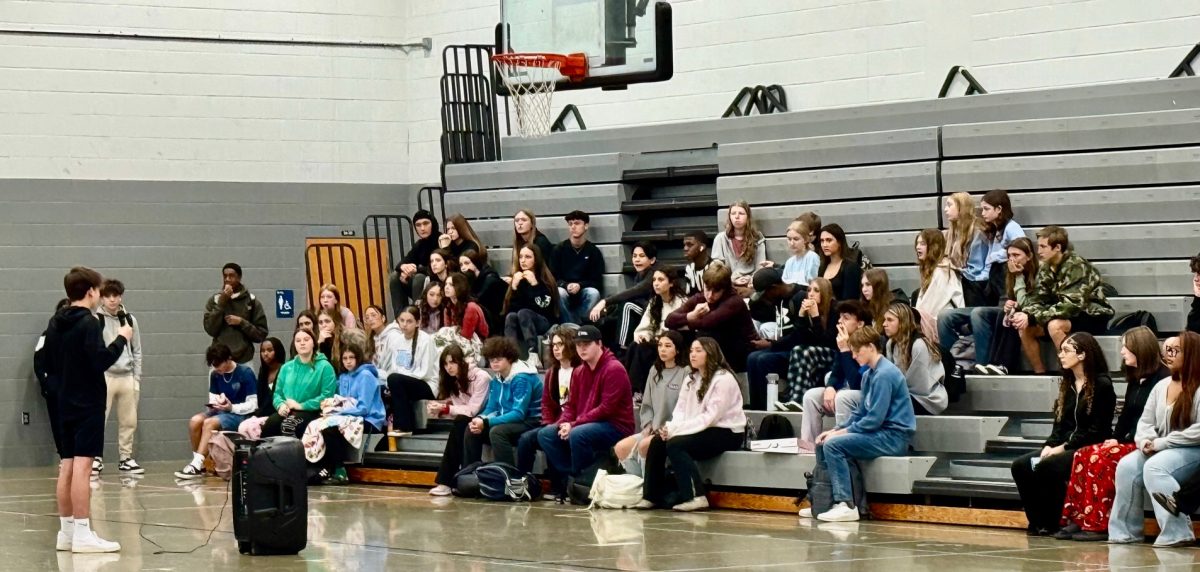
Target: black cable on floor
x,y
161,550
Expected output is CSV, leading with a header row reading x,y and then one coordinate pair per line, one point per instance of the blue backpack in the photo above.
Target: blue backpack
x,y
504,482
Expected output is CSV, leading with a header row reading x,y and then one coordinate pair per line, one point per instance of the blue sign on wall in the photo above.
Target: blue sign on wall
x,y
285,303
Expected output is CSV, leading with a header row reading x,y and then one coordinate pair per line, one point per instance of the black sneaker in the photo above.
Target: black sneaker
x,y
130,466
190,472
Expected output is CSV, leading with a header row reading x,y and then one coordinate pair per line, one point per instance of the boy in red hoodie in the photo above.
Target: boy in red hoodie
x,y
598,414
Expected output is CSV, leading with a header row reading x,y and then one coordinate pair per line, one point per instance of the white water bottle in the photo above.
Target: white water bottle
x,y
772,390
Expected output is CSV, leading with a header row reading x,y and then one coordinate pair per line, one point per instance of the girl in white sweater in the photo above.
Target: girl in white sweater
x,y
707,421
415,372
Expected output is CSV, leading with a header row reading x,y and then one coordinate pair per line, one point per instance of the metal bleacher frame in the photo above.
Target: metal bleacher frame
x,y
1118,165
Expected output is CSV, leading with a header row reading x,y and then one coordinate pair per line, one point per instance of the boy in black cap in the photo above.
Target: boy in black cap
x,y
410,274
234,317
775,308
578,267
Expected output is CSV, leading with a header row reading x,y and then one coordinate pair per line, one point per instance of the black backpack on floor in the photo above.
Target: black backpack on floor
x,y
820,490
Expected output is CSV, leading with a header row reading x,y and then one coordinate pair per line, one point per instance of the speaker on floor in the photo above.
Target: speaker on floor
x,y
270,495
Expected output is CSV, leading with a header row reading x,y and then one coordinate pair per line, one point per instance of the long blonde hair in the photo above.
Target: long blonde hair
x,y
750,236
961,232
935,248
907,334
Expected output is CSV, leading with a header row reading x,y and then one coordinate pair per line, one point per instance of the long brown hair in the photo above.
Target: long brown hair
x,y
935,249
465,232
960,232
455,308
1094,365
1143,344
1188,374
680,354
519,241
449,386
907,334
999,200
750,236
1029,273
543,275
335,354
568,338
714,362
825,287
881,293
654,308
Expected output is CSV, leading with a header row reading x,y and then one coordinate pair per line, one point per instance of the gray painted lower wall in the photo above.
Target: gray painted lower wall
x,y
167,242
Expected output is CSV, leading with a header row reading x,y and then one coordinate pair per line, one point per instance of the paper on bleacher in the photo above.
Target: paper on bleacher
x,y
787,445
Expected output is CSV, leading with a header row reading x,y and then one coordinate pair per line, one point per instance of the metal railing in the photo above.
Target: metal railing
x,y
386,234
973,85
470,107
560,124
763,99
1185,67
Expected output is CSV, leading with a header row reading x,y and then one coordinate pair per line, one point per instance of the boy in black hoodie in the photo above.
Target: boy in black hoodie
x,y
410,274
776,302
76,354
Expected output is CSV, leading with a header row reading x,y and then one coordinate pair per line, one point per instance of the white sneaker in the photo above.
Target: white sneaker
x,y
841,512
534,361
190,471
63,542
440,491
90,543
399,434
698,503
806,512
997,370
793,407
644,505
97,465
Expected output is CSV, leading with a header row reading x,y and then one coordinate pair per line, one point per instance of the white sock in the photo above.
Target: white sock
x,y
197,460
83,525
66,524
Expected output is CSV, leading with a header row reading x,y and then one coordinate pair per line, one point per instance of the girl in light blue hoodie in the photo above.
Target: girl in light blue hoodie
x,y
358,395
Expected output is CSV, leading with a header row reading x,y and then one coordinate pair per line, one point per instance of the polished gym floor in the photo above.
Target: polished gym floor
x,y
367,528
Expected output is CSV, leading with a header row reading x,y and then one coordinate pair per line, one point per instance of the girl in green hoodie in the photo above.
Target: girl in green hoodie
x,y
300,387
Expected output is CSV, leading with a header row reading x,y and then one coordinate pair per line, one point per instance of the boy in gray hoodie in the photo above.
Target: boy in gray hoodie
x,y
124,377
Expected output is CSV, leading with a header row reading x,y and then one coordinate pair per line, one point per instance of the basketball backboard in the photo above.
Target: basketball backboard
x,y
626,41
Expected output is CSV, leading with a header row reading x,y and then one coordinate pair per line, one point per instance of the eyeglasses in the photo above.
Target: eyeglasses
x,y
1171,351
557,344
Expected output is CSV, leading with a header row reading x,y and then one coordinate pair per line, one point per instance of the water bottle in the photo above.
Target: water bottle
x,y
772,390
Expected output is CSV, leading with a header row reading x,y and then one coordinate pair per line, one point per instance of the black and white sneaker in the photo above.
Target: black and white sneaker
x,y
97,465
980,369
130,466
190,471
997,370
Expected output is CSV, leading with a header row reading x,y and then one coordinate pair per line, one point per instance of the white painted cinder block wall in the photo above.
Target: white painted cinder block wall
x,y
124,109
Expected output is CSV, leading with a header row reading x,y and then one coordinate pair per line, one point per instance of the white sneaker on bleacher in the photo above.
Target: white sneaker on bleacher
x,y
997,370
841,512
534,361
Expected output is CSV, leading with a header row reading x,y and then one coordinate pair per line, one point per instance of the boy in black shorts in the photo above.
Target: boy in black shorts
x,y
76,354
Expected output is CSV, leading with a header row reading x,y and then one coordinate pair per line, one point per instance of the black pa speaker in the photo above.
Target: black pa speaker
x,y
270,495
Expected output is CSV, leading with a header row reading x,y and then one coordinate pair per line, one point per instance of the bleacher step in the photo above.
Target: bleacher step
x,y
425,443
1036,428
670,203
1014,445
966,488
412,460
981,470
935,433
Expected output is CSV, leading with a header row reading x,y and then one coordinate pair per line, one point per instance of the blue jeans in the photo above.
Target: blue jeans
x,y
758,365
982,320
527,448
949,323
583,446
836,452
574,309
1138,474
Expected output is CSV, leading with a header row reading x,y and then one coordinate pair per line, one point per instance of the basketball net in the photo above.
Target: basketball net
x,y
531,79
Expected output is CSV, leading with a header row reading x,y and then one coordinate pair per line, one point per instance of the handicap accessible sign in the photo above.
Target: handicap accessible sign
x,y
285,303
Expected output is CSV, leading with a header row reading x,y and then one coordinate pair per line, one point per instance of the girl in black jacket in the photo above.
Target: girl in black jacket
x,y
1082,416
531,305
487,288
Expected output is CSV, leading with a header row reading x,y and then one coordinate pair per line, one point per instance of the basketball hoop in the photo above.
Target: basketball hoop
x,y
531,79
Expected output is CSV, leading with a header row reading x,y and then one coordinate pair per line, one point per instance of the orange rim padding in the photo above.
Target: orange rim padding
x,y
573,66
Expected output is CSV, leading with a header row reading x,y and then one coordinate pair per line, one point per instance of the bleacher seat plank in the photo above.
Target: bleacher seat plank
x,y
1081,170
1170,312
935,433
1148,277
550,171
1119,206
1133,241
790,187
1112,131
896,215
546,202
897,146
885,475
604,229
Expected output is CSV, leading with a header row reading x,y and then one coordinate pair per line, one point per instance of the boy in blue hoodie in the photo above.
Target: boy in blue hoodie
x,y
881,426
514,404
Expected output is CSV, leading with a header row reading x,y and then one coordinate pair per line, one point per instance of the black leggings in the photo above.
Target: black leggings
x,y
291,426
406,391
1044,489
683,452
336,447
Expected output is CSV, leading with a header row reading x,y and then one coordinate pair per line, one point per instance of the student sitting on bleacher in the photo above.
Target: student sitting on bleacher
x,y
707,420
414,372
1083,416
271,357
802,266
877,294
561,363
459,237
695,250
578,268
441,263
844,380
1093,470
462,391
1068,297
232,396
777,309
1168,455
514,405
741,247
1000,230
882,426
842,272
967,248
331,299
415,262
804,351
463,321
655,407
668,297
356,410
997,342
431,308
525,231
329,333
918,359
597,415
303,382
941,287
531,304
717,312
631,302
1193,319
487,288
